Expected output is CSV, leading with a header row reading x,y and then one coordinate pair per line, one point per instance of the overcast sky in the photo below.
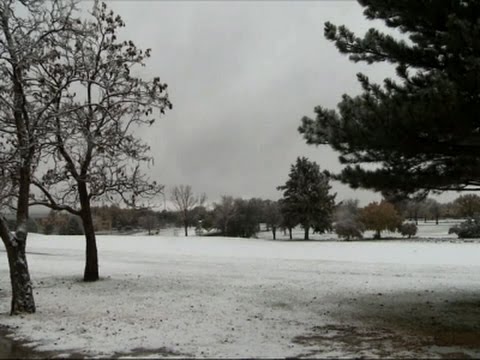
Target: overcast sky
x,y
241,75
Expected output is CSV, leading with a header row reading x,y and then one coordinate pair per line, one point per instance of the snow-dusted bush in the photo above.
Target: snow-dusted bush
x,y
349,229
347,224
467,229
408,229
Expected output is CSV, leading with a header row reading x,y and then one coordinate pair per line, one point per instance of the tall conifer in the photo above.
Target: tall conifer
x,y
422,130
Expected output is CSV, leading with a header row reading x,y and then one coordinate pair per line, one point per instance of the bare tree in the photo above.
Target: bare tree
x,y
431,208
273,216
185,201
99,103
413,209
467,205
149,222
224,212
26,30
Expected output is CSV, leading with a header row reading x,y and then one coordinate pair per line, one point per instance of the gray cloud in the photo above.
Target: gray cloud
x,y
240,76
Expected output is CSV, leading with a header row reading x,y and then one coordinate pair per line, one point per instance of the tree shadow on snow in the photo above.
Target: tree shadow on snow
x,y
426,323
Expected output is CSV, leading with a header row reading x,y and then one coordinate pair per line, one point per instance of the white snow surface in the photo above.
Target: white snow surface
x,y
228,297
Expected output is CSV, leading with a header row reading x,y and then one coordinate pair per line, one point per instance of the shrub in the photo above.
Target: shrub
x,y
467,229
408,229
379,217
349,228
48,228
347,223
72,227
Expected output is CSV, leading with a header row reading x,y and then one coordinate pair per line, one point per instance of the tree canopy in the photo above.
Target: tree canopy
x,y
419,132
379,217
468,205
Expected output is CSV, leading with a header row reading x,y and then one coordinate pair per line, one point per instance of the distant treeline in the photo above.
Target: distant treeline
x,y
232,217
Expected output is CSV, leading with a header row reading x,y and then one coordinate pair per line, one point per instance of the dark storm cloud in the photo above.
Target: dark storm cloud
x,y
240,76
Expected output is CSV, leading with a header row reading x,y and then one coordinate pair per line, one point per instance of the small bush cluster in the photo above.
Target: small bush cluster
x,y
349,229
408,229
467,229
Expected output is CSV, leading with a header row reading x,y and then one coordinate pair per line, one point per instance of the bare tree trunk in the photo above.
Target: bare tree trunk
x,y
436,220
91,253
185,221
290,233
22,294
307,228
274,232
15,245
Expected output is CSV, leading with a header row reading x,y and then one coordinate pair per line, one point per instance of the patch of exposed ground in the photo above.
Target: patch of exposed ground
x,y
434,324
15,349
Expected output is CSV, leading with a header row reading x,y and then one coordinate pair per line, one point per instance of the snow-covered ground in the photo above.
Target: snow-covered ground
x,y
225,297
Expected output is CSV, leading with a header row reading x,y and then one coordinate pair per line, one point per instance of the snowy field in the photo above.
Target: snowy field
x,y
167,296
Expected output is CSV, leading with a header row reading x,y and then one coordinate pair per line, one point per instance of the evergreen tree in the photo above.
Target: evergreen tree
x,y
422,129
306,199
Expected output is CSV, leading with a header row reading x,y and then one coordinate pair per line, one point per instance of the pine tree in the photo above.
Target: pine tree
x,y
422,129
306,199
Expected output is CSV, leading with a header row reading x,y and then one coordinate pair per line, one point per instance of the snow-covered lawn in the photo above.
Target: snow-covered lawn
x,y
225,297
